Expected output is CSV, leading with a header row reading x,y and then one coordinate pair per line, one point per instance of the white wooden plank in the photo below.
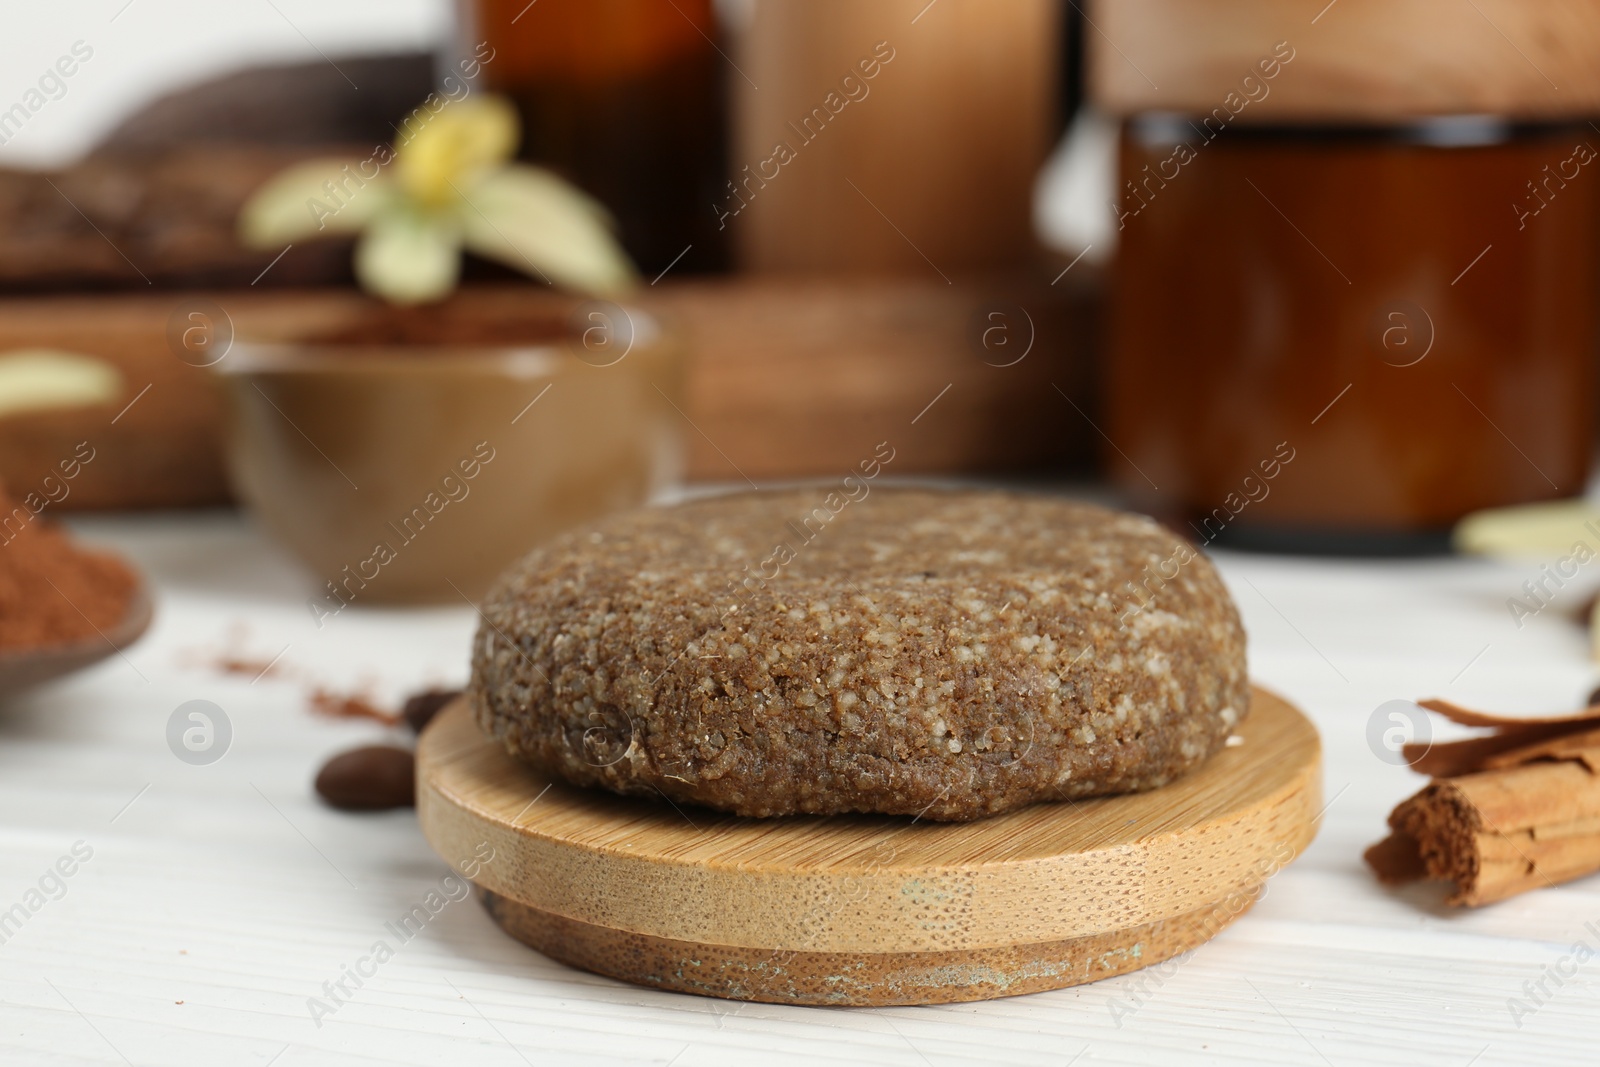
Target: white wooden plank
x,y
203,892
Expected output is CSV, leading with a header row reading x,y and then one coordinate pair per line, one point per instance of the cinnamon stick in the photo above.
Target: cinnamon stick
x,y
1462,757
1516,810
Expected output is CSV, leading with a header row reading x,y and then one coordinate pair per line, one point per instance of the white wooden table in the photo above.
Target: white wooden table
x,y
219,899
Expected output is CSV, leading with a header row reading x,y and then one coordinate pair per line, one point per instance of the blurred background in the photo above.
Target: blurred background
x,y
1272,272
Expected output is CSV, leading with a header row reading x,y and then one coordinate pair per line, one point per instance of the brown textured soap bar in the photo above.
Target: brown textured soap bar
x,y
952,655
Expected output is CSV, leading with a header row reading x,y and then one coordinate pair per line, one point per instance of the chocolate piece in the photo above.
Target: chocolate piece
x,y
948,655
349,706
373,778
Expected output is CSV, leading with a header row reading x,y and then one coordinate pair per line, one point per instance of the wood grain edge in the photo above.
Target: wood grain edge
x,y
870,979
982,905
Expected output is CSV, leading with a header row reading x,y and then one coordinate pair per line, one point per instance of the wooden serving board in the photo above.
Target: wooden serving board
x,y
784,377
870,910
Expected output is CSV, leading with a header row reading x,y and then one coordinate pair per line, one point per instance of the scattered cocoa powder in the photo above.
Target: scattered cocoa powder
x,y
51,591
371,778
248,668
234,658
349,706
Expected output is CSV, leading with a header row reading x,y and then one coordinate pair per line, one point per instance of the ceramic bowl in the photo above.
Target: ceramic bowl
x,y
411,455
22,669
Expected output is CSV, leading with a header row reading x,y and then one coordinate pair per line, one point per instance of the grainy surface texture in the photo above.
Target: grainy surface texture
x,y
952,655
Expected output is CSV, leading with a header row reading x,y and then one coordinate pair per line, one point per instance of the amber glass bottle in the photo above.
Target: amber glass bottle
x,y
1345,339
625,98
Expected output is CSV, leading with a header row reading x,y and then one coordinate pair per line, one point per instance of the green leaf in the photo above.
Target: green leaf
x,y
409,258
531,220
318,198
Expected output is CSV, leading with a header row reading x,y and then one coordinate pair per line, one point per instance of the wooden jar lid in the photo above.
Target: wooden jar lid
x,y
868,909
1352,60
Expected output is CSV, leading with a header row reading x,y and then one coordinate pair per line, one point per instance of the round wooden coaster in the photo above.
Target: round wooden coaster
x,y
860,978
870,909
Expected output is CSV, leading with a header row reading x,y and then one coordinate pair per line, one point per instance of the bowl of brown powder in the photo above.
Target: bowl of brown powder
x,y
410,455
62,607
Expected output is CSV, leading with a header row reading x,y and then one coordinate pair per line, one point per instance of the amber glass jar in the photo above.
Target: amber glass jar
x,y
1346,339
625,98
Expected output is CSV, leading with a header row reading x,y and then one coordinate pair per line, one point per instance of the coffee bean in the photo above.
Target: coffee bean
x,y
373,778
422,707
1594,698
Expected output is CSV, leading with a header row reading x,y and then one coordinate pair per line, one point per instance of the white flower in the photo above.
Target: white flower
x,y
448,187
